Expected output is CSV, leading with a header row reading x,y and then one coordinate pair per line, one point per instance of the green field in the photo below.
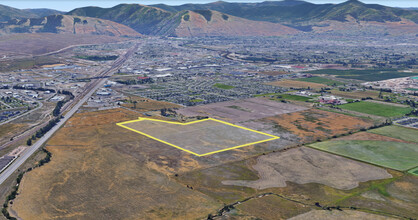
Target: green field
x,y
365,75
281,96
395,155
378,109
321,80
223,86
197,100
406,134
414,171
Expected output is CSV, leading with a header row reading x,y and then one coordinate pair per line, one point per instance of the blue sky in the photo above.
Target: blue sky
x,y
67,5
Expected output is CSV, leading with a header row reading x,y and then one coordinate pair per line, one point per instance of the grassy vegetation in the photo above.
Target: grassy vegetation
x,y
395,155
223,86
414,171
281,96
365,75
406,134
321,80
378,109
197,100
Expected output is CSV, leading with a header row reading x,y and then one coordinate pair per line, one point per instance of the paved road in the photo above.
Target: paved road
x,y
90,90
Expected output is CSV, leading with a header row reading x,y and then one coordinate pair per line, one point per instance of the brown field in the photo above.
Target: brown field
x,y
356,94
297,84
305,165
144,104
271,207
93,176
366,136
340,215
241,110
313,124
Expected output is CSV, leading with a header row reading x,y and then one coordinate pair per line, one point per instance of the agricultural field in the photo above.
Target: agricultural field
x,y
321,80
313,124
373,108
414,171
365,75
357,94
297,84
406,134
394,155
241,110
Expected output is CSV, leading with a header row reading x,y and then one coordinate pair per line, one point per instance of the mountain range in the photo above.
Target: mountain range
x,y
270,18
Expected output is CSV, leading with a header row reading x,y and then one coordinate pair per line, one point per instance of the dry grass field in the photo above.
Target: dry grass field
x,y
93,176
297,84
313,124
305,165
241,110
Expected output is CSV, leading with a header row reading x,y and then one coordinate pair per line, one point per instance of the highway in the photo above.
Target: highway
x,y
81,99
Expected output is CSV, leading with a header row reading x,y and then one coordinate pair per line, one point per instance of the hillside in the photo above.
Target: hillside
x,y
66,24
8,13
200,23
293,12
141,18
43,12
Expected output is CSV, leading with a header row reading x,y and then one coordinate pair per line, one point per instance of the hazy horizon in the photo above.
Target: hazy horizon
x,y
66,5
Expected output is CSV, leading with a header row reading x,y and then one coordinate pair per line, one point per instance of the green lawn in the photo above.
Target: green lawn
x,y
365,75
406,134
395,155
378,109
280,96
197,100
223,86
321,80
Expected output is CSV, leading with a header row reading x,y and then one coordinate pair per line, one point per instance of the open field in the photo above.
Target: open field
x,y
357,94
223,86
367,136
41,43
241,110
365,75
313,124
297,84
270,207
378,109
321,80
340,215
406,134
394,155
304,165
283,96
144,104
201,138
93,174
210,182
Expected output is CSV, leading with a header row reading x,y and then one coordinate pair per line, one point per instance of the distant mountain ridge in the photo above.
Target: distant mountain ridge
x,y
67,24
274,18
295,11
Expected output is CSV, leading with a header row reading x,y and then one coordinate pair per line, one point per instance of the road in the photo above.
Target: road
x,y
91,88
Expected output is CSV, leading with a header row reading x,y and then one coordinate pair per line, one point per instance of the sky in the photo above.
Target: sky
x,y
67,5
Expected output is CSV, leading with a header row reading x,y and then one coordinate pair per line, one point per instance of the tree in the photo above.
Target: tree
x,y
29,142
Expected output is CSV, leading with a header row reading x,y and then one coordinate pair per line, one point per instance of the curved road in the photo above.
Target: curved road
x,y
89,91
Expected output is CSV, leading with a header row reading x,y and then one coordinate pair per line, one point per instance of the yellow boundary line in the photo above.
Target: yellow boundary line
x,y
122,124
